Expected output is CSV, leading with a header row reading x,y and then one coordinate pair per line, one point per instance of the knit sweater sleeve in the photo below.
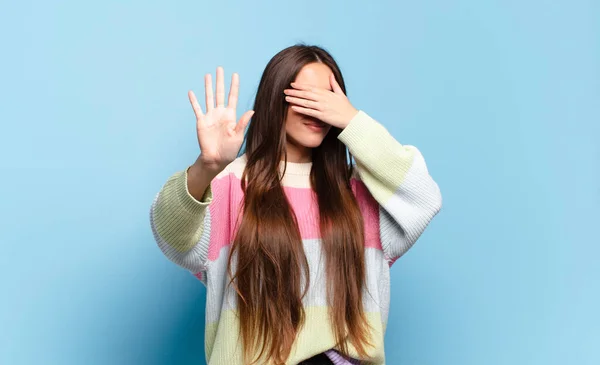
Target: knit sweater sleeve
x,y
397,177
182,225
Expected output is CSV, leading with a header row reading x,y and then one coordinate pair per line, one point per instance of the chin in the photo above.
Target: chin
x,y
312,141
312,144
307,138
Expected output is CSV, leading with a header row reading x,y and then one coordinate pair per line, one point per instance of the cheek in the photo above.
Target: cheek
x,y
293,121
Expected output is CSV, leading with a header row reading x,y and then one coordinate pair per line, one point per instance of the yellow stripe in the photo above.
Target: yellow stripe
x,y
178,216
382,161
223,347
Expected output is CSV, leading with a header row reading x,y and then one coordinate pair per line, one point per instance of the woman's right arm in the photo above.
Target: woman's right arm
x,y
180,220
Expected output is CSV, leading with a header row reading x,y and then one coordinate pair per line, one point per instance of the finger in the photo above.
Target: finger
x,y
233,91
244,120
335,86
220,87
303,102
208,92
195,105
306,87
303,94
307,111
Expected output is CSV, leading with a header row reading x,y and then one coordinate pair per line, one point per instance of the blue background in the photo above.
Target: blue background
x,y
502,98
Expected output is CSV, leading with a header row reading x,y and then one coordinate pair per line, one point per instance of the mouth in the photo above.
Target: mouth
x,y
316,126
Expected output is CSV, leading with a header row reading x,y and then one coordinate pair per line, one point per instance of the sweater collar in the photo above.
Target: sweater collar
x,y
295,168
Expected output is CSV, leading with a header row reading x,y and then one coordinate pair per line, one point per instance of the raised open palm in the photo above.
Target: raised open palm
x,y
219,136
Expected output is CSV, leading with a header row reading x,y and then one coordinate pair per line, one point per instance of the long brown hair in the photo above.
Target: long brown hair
x,y
270,262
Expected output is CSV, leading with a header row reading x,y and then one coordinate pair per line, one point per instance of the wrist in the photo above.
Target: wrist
x,y
351,114
208,166
199,173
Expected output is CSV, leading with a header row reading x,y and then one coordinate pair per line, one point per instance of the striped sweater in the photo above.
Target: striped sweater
x,y
396,195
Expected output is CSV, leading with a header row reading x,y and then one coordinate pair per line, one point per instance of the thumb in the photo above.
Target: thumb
x,y
244,120
335,86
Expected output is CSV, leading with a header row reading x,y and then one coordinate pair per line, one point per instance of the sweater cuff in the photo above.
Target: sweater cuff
x,y
359,132
186,200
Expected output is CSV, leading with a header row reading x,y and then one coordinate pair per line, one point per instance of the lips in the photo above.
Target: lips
x,y
316,124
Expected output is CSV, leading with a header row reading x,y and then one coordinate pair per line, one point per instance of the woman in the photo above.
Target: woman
x,y
294,242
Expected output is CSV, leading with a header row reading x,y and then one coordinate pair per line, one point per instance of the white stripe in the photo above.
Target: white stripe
x,y
408,212
376,296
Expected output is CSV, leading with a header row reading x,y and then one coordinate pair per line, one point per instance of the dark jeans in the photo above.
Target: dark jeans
x,y
319,359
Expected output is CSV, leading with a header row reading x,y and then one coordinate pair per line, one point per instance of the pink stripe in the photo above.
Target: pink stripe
x,y
304,204
228,192
220,228
370,211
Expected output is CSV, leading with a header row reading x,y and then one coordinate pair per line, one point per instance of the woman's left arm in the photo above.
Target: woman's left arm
x,y
397,177
395,174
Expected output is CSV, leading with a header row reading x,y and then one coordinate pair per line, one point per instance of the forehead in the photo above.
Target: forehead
x,y
315,74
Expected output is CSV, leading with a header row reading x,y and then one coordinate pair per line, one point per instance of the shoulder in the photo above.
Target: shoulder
x,y
355,177
358,186
355,174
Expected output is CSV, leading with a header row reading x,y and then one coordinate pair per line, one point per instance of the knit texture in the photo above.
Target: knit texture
x,y
395,193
